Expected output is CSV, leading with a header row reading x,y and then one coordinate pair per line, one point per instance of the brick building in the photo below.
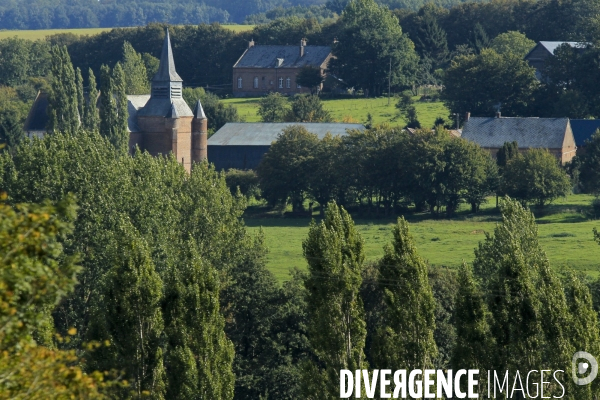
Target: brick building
x,y
553,134
159,123
264,69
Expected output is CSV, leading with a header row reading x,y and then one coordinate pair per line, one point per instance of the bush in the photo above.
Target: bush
x,y
247,181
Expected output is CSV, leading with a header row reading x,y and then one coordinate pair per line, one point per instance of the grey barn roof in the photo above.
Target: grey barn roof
x,y
552,46
548,133
266,57
263,134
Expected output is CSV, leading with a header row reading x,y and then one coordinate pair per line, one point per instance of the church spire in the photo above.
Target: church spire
x,y
166,70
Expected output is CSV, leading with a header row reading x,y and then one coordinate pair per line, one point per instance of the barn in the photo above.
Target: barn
x,y
243,145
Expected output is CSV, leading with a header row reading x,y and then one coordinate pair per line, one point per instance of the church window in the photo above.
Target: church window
x,y
288,83
239,83
281,83
256,83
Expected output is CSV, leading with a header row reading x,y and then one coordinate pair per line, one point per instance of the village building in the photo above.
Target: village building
x,y
553,134
539,54
243,145
267,68
159,123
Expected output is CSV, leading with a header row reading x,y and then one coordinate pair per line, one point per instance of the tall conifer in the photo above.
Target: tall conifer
x,y
334,251
405,337
92,118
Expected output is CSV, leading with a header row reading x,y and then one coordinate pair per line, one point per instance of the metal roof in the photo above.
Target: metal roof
x,y
583,129
283,57
263,134
545,133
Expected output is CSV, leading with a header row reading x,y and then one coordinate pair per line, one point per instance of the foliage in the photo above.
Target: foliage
x,y
245,181
120,130
309,77
217,113
91,120
273,107
406,335
11,132
336,325
22,59
408,111
512,42
63,102
134,68
589,165
535,177
507,152
307,108
108,105
382,43
479,83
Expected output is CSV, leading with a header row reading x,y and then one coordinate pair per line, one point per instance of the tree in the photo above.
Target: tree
x,y
307,108
128,314
134,68
535,177
11,132
336,326
63,115
507,152
432,41
310,77
91,116
512,42
108,113
273,107
383,42
474,340
80,98
120,137
217,113
589,169
478,83
479,38
405,336
284,170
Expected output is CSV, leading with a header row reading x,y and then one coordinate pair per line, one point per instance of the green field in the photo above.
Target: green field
x,y
354,110
565,233
42,33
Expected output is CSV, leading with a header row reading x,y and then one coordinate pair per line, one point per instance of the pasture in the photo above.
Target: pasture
x,y
42,33
355,110
565,233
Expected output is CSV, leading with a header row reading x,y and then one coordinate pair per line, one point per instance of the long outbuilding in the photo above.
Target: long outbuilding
x,y
242,145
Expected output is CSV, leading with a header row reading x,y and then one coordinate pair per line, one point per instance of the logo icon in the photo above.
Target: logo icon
x,y
589,365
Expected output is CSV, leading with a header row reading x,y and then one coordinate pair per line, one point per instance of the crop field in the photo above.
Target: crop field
x,y
565,233
355,110
42,33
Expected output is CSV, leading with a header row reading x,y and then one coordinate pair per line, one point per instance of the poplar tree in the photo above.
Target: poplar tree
x,y
334,251
136,76
200,357
80,98
121,131
113,111
91,117
108,117
525,298
474,339
128,314
405,337
63,115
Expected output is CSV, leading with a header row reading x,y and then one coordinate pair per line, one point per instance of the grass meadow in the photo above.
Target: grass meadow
x,y
42,33
355,110
565,233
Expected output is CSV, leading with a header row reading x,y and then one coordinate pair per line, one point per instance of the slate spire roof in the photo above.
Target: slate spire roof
x,y
166,70
199,111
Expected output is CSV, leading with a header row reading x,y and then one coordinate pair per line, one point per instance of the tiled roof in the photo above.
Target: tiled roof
x,y
263,134
267,57
583,129
545,133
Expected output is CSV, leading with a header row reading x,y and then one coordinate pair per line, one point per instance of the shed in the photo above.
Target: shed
x,y
554,134
243,145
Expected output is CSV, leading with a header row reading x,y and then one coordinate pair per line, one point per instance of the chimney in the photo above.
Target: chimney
x,y
467,116
251,43
498,115
302,46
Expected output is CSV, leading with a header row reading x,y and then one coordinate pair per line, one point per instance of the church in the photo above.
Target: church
x,y
159,123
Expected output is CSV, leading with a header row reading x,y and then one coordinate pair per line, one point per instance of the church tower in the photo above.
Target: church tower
x,y
166,119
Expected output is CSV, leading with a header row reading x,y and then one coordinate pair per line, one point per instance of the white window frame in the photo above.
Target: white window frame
x,y
256,82
280,83
240,82
288,83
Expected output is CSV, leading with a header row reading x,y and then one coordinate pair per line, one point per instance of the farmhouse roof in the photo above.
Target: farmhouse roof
x,y
551,47
263,134
265,56
583,129
166,70
548,133
37,119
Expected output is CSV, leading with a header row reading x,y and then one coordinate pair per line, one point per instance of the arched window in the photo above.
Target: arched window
x,y
280,83
288,83
240,82
255,82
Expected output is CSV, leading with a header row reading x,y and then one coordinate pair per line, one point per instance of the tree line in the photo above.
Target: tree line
x,y
386,170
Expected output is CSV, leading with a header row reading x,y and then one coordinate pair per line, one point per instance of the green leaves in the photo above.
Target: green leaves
x,y
63,101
